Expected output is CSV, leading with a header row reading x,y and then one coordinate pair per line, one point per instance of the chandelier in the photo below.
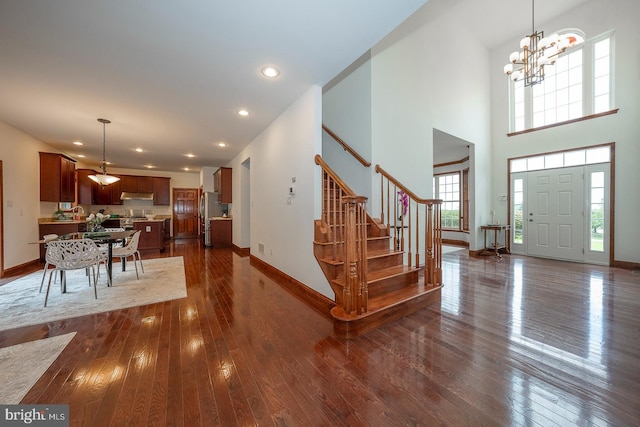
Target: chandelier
x,y
537,51
104,179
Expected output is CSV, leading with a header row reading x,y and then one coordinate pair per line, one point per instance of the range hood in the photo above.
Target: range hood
x,y
136,196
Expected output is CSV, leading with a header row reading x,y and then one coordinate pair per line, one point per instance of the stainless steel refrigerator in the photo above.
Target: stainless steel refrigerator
x,y
209,208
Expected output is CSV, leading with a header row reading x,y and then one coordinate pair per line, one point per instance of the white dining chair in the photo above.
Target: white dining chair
x,y
130,250
67,255
47,238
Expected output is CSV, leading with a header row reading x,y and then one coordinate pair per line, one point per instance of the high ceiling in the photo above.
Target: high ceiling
x,y
172,75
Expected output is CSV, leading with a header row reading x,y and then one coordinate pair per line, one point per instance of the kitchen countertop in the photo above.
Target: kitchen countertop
x,y
221,218
83,220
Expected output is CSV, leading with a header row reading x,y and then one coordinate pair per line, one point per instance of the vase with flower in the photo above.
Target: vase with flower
x,y
403,204
94,221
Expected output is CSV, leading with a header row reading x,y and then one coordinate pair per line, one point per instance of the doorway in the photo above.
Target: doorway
x,y
563,212
185,213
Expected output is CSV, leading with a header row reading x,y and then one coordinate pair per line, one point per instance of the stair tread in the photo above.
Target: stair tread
x,y
389,299
370,238
370,255
383,273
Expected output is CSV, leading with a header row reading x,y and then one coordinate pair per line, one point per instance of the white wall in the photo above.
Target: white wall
x,y
346,110
420,82
594,18
21,179
282,151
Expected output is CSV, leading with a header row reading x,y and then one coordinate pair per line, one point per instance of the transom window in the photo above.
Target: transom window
x,y
583,156
563,96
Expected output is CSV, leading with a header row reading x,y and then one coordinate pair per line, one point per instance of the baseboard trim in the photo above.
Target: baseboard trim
x,y
476,253
314,299
627,265
27,267
242,251
455,242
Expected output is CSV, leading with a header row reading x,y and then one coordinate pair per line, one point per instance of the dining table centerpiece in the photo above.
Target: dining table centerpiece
x,y
94,221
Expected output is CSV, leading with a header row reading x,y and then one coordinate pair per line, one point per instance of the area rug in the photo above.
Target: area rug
x,y
23,364
22,305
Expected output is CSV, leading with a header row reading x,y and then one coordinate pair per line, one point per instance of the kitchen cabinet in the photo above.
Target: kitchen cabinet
x,y
145,184
151,235
57,178
116,191
221,233
136,184
222,185
129,183
90,192
85,191
161,191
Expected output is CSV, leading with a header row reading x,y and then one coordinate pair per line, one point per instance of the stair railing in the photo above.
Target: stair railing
x,y
347,147
403,212
344,215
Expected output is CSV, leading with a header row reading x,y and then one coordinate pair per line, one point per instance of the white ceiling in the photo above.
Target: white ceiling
x,y
171,75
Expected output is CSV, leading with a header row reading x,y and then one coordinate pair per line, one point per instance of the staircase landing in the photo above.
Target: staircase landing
x,y
384,309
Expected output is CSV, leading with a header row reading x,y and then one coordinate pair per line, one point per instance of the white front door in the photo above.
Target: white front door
x,y
555,213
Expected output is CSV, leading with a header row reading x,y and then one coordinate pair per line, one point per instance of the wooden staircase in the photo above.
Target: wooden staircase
x,y
389,289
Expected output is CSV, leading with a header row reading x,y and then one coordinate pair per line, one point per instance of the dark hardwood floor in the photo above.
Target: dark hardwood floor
x,y
516,342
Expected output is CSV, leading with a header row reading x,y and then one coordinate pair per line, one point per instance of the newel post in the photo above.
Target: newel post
x,y
354,293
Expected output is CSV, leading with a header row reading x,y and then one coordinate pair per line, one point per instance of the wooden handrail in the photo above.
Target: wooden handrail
x,y
403,188
320,162
428,231
347,147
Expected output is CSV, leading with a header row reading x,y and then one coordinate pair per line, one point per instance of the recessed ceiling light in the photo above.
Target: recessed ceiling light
x,y
139,150
149,166
190,155
222,144
77,143
82,156
270,72
185,169
243,112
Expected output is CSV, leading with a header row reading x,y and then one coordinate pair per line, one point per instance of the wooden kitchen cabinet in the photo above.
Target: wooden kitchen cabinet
x,y
222,184
85,190
57,178
221,233
151,234
129,183
161,191
91,193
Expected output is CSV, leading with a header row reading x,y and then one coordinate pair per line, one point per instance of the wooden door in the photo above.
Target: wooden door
x,y
185,213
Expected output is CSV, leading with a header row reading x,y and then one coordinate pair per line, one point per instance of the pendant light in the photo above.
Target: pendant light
x,y
537,51
104,179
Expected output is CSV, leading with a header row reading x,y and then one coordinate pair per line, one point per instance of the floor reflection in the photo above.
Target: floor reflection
x,y
520,342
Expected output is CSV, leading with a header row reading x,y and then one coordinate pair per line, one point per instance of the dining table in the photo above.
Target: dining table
x,y
102,237
109,238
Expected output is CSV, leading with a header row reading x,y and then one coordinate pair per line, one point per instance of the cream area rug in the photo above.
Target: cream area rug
x,y
23,364
22,305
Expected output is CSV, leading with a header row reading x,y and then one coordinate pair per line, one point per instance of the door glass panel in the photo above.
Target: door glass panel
x,y
518,210
596,212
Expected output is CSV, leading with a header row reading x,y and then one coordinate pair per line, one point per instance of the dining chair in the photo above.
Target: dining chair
x,y
77,254
130,250
47,238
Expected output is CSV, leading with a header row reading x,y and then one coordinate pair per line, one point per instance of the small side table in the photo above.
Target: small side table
x,y
495,247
